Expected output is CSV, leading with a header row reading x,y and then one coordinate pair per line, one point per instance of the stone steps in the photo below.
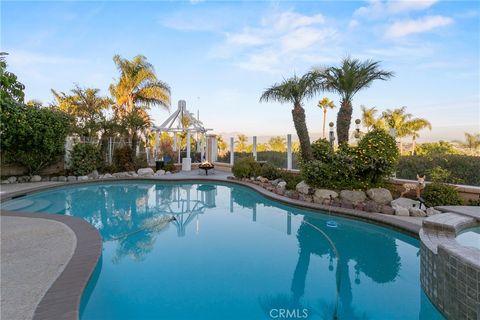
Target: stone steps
x,y
17,205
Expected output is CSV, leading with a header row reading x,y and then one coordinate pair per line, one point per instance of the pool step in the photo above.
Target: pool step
x,y
17,205
56,207
38,205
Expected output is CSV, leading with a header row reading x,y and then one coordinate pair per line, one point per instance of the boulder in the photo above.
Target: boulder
x,y
262,179
71,178
404,203
107,176
386,209
415,212
305,197
346,204
46,179
371,206
23,179
36,178
62,178
276,181
82,178
94,174
160,172
401,211
303,188
280,187
143,172
353,197
123,174
324,194
5,182
431,211
291,194
54,179
12,179
167,173
380,195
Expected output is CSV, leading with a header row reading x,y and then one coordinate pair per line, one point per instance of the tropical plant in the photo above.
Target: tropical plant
x,y
86,106
352,76
325,104
277,144
403,123
415,126
295,90
439,194
11,90
472,141
246,167
241,143
370,119
31,136
136,91
85,158
221,145
123,159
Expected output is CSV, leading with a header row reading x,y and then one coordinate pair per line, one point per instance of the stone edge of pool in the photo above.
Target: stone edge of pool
x,y
62,300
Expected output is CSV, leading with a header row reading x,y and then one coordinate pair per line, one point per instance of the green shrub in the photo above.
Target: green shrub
x,y
353,167
246,168
474,202
269,171
141,162
291,179
461,167
435,148
32,136
123,159
85,158
322,150
439,194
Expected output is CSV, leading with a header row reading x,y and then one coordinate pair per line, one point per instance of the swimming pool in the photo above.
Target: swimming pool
x,y
195,250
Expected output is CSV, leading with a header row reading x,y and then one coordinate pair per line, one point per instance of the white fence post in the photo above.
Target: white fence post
x,y
254,147
110,151
289,152
188,145
232,153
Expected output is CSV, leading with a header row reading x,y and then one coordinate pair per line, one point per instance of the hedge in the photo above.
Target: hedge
x,y
464,169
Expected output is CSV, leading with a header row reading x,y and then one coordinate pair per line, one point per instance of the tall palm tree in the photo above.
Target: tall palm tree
x,y
325,104
403,123
241,143
352,76
370,119
415,126
295,90
137,90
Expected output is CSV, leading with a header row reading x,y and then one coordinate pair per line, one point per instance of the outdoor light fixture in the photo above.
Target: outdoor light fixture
x,y
331,134
357,129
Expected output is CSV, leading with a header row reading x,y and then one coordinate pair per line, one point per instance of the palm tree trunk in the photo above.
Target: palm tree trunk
x,y
298,114
134,142
401,145
324,121
344,117
414,145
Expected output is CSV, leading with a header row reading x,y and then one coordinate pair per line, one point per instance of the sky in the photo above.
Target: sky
x,y
219,56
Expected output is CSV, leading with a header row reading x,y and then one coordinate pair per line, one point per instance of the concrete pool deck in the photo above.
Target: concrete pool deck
x,y
62,297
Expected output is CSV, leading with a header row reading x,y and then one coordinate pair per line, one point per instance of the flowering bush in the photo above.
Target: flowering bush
x,y
358,167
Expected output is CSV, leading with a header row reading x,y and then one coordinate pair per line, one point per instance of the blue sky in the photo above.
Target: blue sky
x,y
219,56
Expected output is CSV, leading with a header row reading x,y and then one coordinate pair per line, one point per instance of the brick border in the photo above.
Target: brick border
x,y
62,299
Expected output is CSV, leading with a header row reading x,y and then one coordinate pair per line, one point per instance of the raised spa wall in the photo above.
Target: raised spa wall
x,y
449,271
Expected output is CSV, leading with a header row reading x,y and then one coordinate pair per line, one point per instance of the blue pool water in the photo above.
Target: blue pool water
x,y
222,251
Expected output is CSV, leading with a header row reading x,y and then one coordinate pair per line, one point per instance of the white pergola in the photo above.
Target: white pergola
x,y
183,121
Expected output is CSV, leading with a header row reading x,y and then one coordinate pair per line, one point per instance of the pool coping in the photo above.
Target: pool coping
x,y
62,300
63,297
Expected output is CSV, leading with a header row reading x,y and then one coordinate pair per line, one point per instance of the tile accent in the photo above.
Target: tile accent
x,y
450,272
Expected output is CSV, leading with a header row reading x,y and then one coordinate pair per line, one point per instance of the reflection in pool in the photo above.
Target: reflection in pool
x,y
221,251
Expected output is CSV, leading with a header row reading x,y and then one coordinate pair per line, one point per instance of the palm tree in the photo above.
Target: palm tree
x,y
137,90
415,126
294,90
325,104
472,141
404,123
352,76
241,143
277,144
370,119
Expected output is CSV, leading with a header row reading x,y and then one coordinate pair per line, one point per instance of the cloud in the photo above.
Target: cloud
x,y
276,39
403,28
376,9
